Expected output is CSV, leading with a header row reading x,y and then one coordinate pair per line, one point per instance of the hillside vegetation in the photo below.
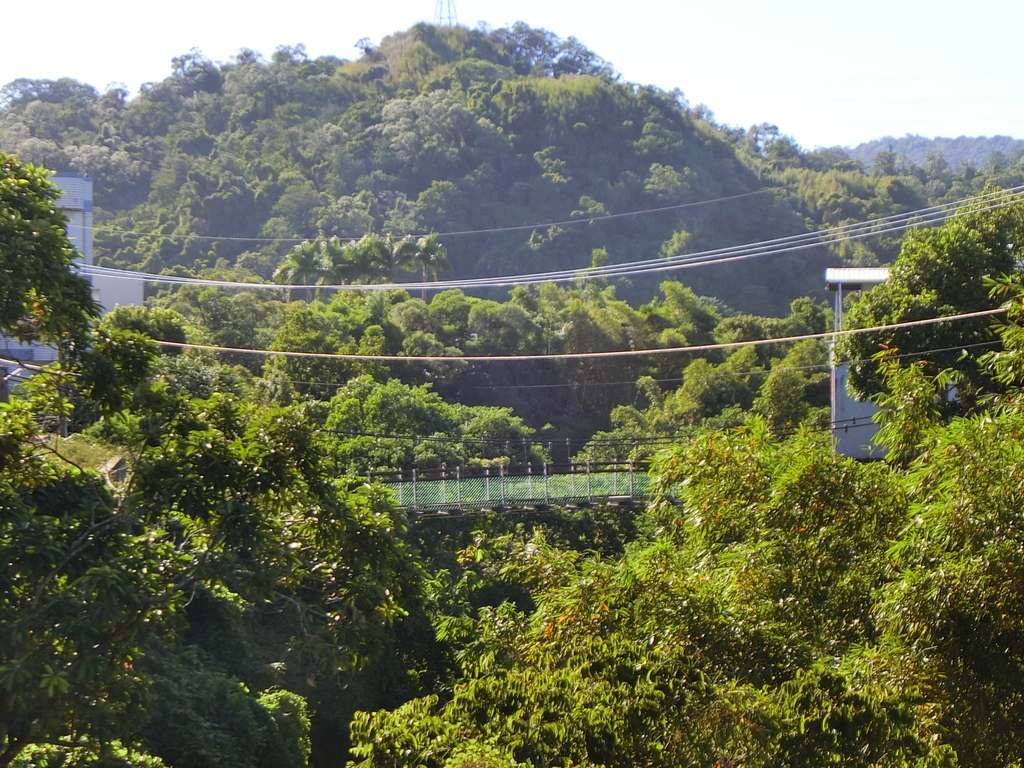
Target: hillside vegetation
x,y
986,154
243,597
521,142
239,592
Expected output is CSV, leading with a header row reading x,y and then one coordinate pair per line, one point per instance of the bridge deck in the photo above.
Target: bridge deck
x,y
518,487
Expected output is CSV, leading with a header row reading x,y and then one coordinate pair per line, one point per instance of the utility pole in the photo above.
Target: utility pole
x,y
444,14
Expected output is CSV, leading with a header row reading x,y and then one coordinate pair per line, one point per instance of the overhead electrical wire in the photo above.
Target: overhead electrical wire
x,y
580,355
854,231
793,242
898,222
727,374
455,233
803,241
988,201
668,380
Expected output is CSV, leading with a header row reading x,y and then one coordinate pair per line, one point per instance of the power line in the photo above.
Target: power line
x,y
668,380
606,217
454,233
856,231
803,241
581,355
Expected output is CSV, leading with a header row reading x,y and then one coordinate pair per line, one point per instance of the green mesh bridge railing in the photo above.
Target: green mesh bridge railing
x,y
530,486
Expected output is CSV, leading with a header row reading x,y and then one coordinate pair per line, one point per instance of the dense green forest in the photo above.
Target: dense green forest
x,y
522,150
242,596
992,154
234,590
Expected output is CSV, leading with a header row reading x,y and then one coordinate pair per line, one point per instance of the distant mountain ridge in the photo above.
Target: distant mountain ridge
x,y
974,151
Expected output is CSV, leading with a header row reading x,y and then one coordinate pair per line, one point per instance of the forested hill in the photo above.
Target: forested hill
x,y
231,591
523,150
978,152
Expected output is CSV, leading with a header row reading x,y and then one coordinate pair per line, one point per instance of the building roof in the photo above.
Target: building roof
x,y
855,278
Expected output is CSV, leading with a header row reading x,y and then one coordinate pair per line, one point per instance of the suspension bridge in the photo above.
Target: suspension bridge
x,y
527,487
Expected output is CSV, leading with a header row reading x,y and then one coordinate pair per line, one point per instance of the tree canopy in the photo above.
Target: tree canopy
x,y
41,299
941,271
205,573
525,143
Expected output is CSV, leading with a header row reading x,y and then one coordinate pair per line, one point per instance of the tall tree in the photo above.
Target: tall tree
x,y
223,496
302,266
41,298
940,271
432,258
392,254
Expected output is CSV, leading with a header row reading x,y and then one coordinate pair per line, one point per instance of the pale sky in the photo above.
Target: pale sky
x,y
824,73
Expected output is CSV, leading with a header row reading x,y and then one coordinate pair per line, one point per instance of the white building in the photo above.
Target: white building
x,y
76,203
853,424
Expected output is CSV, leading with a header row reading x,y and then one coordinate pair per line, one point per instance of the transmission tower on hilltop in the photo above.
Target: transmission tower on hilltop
x,y
444,14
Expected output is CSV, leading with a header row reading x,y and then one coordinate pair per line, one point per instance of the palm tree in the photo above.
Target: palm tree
x,y
405,254
385,256
336,262
302,266
432,258
371,259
